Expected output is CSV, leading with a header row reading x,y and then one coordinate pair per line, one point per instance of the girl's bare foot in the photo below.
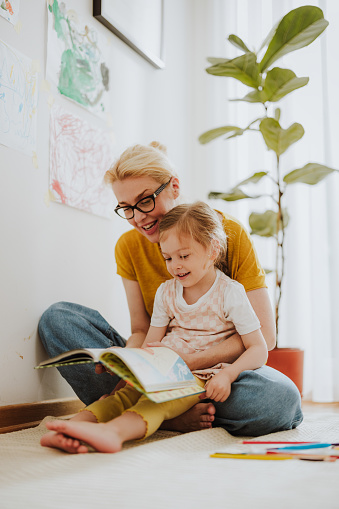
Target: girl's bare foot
x,y
196,418
100,436
63,442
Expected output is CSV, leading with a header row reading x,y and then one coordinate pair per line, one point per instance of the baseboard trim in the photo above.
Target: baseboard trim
x,y
28,415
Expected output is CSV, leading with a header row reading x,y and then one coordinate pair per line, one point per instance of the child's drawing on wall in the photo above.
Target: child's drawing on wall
x,y
80,154
9,9
18,100
75,63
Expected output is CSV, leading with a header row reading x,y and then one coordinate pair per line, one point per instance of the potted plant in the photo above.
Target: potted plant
x,y
268,84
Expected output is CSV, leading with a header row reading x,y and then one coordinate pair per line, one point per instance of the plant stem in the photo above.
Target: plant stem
x,y
280,257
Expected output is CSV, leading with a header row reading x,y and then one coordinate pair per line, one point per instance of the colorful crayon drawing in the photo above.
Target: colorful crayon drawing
x,y
18,100
80,154
9,9
74,60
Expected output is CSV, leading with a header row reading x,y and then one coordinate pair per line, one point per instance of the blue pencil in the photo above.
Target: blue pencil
x,y
298,447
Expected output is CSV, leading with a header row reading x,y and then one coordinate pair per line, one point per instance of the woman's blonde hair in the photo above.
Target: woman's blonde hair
x,y
142,161
201,223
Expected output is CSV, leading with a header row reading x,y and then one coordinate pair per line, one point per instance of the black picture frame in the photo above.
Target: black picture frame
x,y
119,15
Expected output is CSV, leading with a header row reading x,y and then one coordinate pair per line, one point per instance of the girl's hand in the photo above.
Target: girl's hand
x,y
218,387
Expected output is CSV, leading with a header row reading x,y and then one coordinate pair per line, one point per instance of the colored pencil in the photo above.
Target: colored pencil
x,y
253,456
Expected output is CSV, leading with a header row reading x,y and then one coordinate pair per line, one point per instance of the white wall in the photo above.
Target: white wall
x,y
51,253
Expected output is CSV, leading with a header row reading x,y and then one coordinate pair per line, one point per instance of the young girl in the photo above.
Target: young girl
x,y
199,308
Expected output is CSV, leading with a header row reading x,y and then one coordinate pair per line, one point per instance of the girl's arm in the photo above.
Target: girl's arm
x,y
218,387
140,320
154,335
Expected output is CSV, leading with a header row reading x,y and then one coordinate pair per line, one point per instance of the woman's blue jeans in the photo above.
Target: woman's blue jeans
x,y
261,401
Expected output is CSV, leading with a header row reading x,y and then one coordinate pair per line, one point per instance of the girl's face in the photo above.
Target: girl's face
x,y
188,261
133,189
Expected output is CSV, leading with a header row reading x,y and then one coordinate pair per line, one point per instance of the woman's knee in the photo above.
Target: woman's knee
x,y
275,396
261,402
51,317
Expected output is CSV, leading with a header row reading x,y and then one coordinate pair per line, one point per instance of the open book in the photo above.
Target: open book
x,y
159,373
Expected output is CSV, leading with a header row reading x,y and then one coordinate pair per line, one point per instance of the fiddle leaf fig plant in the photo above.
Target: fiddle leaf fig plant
x,y
297,29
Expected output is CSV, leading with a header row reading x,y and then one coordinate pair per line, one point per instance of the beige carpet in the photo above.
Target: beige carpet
x,y
170,471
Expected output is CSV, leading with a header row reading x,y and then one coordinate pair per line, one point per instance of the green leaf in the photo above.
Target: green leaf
x,y
238,43
299,28
277,138
310,174
216,60
219,131
256,96
265,224
233,195
236,193
280,82
256,177
244,68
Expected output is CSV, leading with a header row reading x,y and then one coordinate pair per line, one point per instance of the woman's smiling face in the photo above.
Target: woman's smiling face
x,y
132,189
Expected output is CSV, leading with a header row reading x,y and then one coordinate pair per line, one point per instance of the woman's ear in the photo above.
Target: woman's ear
x,y
175,186
215,249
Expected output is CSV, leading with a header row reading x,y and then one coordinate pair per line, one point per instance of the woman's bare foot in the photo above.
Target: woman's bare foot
x,y
196,418
98,435
63,442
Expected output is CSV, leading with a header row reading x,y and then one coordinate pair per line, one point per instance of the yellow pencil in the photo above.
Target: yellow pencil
x,y
253,456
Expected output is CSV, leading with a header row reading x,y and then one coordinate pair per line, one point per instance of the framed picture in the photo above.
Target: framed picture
x,y
139,23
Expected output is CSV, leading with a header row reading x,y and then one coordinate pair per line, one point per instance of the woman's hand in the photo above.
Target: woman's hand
x,y
100,368
218,388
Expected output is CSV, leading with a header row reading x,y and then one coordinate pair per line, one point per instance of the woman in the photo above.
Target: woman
x,y
146,187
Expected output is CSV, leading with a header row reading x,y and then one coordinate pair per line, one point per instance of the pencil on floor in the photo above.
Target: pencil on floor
x,y
244,456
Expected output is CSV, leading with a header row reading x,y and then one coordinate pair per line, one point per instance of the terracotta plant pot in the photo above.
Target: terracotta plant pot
x,y
289,361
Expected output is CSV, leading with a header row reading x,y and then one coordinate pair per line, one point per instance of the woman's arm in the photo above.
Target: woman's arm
x,y
227,351
140,321
261,304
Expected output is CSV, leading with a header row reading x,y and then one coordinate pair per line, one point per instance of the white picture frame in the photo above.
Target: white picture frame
x,y
139,23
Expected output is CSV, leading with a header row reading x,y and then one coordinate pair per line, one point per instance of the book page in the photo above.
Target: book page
x,y
156,368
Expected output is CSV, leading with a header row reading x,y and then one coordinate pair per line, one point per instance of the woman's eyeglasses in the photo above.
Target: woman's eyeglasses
x,y
146,204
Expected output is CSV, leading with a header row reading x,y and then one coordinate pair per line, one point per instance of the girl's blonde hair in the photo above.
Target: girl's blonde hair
x,y
201,223
142,161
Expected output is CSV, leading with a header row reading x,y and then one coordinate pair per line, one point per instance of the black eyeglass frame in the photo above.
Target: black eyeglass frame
x,y
133,207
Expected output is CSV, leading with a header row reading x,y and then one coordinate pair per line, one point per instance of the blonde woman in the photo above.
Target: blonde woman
x,y
146,187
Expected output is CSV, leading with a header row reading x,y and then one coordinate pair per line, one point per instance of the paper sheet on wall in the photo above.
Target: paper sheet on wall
x,y
80,154
75,60
9,9
18,100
